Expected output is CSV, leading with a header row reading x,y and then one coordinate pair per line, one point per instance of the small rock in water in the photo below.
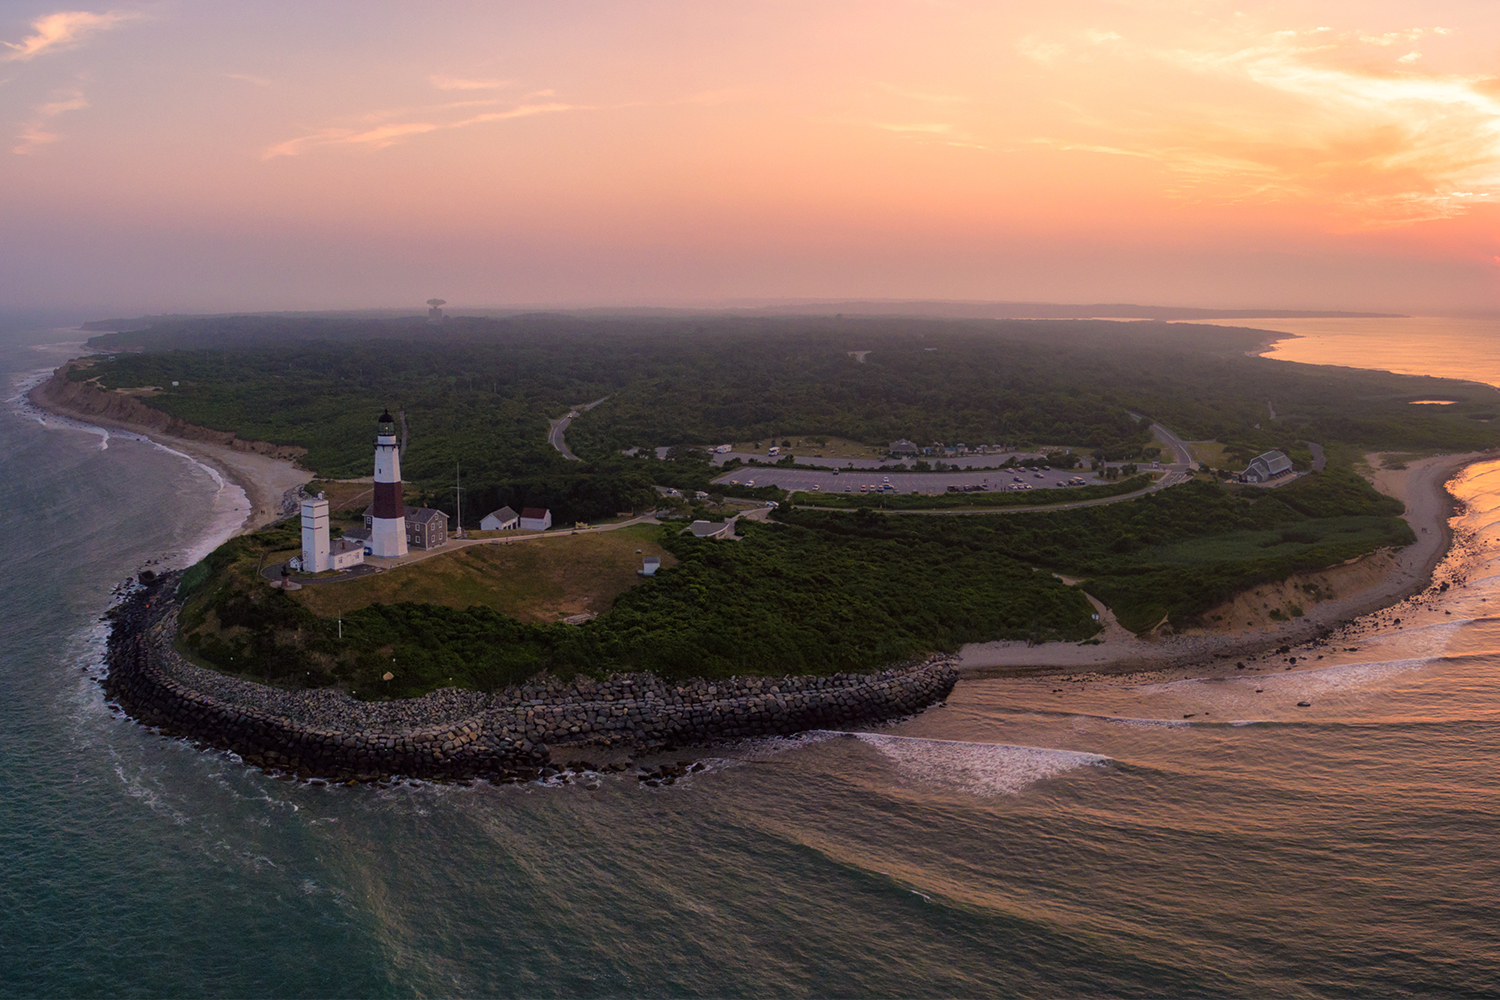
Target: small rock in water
x,y
1304,704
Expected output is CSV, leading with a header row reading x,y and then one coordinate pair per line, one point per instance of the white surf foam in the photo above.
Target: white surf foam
x,y
230,505
984,769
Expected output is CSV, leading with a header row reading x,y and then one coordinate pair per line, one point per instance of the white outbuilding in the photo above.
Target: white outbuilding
x,y
536,519
344,553
315,536
503,519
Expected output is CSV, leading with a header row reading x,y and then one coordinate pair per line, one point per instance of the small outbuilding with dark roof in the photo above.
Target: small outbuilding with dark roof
x,y
503,519
535,519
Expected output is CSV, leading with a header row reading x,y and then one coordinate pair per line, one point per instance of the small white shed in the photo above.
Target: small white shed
x,y
536,519
503,519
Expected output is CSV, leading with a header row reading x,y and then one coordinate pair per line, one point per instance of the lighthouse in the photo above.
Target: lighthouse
x,y
388,516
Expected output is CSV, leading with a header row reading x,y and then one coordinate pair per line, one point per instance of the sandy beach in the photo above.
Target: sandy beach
x,y
264,472
1366,585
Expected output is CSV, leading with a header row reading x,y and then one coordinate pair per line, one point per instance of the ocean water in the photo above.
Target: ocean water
x,y
1444,346
1025,839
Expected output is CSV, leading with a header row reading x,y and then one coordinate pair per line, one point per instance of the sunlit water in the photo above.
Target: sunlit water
x,y
1447,347
1028,838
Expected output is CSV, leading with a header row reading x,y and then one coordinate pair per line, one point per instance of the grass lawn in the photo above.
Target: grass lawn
x,y
1365,532
1212,454
535,581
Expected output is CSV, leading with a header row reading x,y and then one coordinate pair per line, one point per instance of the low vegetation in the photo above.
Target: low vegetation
x,y
533,580
815,591
1168,556
818,589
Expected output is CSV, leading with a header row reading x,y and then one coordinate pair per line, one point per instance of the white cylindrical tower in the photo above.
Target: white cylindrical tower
x,y
388,518
315,535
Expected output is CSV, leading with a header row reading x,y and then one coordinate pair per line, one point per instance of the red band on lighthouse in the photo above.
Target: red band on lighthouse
x,y
388,500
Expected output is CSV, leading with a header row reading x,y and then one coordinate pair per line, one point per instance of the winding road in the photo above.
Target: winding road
x,y
555,434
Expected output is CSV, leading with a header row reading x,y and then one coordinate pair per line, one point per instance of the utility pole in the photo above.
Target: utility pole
x,y
459,499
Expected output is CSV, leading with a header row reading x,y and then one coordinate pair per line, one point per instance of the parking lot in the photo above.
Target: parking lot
x,y
904,482
961,462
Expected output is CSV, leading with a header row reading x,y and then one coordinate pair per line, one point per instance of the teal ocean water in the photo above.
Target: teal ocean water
x,y
1014,842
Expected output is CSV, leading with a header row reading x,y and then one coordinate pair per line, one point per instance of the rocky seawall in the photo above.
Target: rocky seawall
x,y
466,734
89,401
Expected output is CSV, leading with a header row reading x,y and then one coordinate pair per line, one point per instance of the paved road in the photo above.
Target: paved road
x,y
555,434
1319,459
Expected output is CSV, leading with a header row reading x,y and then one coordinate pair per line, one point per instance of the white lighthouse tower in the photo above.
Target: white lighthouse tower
x,y
315,535
388,518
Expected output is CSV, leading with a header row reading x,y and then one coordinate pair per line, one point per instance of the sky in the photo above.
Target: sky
x,y
196,155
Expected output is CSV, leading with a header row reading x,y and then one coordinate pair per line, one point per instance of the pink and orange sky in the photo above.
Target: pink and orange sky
x,y
197,155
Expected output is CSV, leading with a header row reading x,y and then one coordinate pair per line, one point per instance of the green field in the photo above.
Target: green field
x,y
1361,533
533,580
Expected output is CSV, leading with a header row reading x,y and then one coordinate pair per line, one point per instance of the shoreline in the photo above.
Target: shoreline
x,y
451,733
266,473
1399,576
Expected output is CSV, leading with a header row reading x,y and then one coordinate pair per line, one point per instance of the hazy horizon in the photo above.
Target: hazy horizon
x,y
210,157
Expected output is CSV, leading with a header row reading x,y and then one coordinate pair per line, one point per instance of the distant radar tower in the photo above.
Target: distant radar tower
x,y
435,310
388,515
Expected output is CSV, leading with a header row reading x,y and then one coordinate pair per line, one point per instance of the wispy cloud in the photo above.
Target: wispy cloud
x,y
1343,120
60,31
442,82
258,81
390,133
36,133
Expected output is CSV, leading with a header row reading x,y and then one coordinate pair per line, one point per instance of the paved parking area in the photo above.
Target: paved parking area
x,y
962,462
903,482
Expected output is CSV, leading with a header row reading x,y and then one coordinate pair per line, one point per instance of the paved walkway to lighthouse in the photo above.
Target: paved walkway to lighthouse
x,y
377,564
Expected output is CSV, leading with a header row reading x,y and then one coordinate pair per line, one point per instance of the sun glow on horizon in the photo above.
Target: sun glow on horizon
x,y
1316,155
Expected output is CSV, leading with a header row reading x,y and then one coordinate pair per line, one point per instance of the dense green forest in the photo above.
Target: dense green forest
x,y
477,393
816,591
